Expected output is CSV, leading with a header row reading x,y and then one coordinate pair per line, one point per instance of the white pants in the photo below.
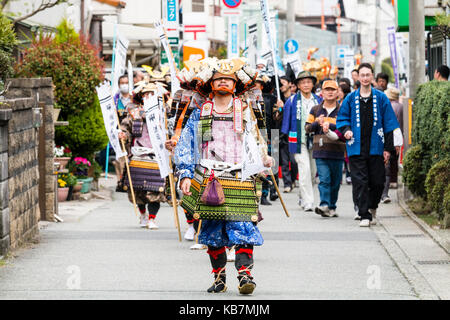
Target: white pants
x,y
307,174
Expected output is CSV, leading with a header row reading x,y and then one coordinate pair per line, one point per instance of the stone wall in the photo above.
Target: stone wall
x,y
22,157
5,116
41,90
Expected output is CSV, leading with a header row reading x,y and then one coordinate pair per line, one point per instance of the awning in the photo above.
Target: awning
x,y
129,31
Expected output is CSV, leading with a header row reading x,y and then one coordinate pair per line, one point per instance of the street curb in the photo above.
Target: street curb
x,y
422,225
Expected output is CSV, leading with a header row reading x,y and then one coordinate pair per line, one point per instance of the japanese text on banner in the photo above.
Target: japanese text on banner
x,y
173,71
252,161
120,59
157,133
110,118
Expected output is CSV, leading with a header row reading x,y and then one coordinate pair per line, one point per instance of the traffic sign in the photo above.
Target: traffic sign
x,y
291,46
232,3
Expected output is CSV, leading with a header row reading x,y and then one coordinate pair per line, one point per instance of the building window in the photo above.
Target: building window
x,y
198,5
362,1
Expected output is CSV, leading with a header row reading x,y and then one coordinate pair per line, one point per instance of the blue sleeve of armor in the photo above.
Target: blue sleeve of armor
x,y
186,152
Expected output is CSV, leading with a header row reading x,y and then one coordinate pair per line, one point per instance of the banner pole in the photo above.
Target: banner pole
x,y
112,94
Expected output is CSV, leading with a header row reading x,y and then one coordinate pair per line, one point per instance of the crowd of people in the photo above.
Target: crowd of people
x,y
319,130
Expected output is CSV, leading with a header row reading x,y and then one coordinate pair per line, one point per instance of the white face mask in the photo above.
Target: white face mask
x,y
124,88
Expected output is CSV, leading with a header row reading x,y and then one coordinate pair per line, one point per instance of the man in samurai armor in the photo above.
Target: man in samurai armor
x,y
209,159
149,188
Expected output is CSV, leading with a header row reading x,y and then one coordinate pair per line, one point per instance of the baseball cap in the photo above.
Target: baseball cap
x,y
329,84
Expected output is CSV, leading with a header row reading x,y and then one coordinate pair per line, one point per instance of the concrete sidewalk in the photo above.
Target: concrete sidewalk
x,y
99,252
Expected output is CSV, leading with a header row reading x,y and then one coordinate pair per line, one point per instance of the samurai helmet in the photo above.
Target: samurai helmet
x,y
198,75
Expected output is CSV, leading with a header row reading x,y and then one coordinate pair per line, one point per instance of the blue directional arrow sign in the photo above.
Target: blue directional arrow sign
x,y
291,46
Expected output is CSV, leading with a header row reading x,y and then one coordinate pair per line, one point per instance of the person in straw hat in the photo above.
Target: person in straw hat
x,y
148,186
296,110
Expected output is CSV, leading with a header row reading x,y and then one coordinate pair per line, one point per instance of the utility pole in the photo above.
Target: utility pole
x,y
416,45
290,15
323,27
377,37
82,31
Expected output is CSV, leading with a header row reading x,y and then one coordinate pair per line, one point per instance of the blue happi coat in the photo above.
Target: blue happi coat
x,y
384,121
291,125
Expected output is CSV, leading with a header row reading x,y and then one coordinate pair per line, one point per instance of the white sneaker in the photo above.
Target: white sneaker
x,y
152,225
373,212
190,233
231,255
143,220
308,207
322,211
386,199
364,223
333,213
348,180
357,217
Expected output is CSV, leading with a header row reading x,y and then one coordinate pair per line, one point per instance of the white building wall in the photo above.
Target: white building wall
x,y
68,10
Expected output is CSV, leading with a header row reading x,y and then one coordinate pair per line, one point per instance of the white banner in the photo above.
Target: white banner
x,y
120,60
175,83
252,162
130,77
252,55
266,19
157,133
110,118
349,63
295,61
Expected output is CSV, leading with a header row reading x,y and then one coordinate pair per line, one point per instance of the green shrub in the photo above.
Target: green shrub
x,y
71,62
7,43
414,174
446,203
85,133
436,184
431,126
386,68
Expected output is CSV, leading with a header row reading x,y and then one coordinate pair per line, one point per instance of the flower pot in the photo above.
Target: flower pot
x,y
86,185
63,161
56,114
78,186
62,194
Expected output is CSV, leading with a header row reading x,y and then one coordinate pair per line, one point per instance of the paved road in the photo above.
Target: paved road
x,y
99,252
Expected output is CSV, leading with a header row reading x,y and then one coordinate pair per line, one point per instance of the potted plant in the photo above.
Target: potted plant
x,y
56,111
62,156
80,167
63,190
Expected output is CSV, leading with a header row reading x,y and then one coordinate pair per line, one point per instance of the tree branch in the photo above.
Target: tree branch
x,y
4,3
43,6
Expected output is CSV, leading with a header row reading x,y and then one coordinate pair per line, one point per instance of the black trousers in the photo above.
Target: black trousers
x,y
368,176
391,173
289,176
